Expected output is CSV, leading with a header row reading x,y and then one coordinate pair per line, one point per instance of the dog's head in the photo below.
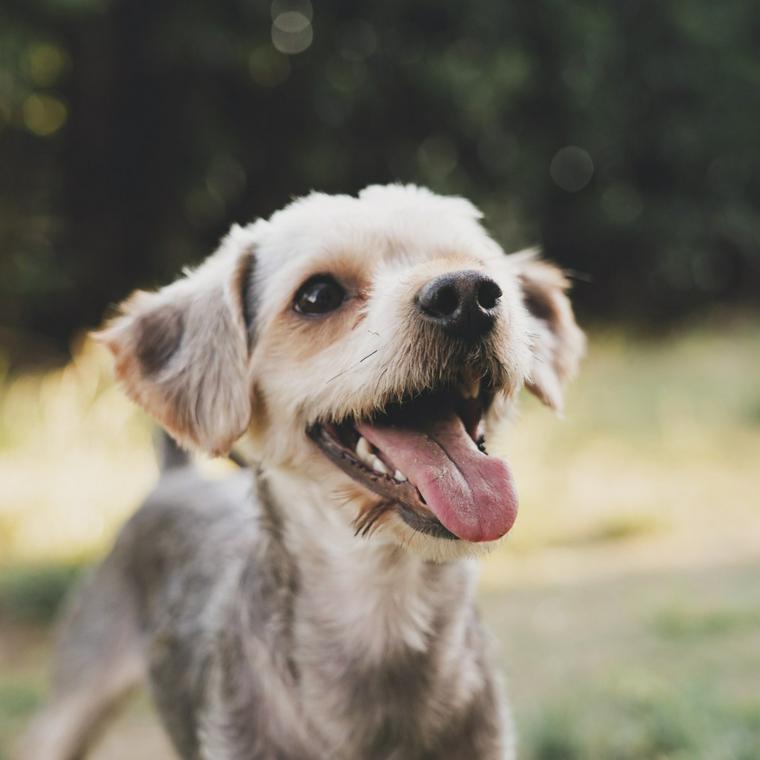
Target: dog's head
x,y
367,344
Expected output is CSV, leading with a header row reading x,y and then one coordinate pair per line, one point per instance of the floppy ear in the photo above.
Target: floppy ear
x,y
558,342
183,352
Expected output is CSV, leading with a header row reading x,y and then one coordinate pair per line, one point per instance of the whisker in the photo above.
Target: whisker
x,y
335,377
364,523
342,497
354,366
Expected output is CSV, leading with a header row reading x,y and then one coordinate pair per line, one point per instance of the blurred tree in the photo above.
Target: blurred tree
x,y
621,136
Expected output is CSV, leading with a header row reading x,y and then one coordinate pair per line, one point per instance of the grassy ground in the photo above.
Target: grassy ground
x,y
651,666
626,603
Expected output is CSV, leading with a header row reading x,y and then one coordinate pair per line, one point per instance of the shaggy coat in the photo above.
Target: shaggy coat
x,y
287,612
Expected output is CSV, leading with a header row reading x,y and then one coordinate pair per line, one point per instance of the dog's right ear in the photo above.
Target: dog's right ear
x,y
183,352
558,342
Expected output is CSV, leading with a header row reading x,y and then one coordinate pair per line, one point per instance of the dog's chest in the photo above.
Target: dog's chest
x,y
381,654
355,663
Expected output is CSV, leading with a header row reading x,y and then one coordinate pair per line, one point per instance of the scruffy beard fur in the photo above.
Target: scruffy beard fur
x,y
320,617
426,363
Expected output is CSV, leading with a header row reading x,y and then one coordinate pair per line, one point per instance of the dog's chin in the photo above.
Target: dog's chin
x,y
428,541
423,465
429,547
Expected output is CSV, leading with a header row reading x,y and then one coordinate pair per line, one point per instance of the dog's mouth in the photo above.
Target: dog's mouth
x,y
425,457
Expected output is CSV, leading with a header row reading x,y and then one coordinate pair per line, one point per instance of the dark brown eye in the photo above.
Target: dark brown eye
x,y
319,295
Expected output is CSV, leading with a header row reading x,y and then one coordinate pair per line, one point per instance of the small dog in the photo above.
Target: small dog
x,y
320,607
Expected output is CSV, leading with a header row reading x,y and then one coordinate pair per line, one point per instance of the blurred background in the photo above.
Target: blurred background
x,y
622,137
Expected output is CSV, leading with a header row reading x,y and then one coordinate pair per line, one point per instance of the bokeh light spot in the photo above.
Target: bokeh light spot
x,y
292,32
302,7
571,168
44,64
292,43
291,22
44,115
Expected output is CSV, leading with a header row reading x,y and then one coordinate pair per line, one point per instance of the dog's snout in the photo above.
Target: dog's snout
x,y
463,303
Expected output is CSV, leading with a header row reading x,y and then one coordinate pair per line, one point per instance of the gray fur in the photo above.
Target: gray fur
x,y
266,628
202,584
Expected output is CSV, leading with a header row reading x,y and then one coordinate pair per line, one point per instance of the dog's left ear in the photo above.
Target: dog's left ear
x,y
558,343
182,352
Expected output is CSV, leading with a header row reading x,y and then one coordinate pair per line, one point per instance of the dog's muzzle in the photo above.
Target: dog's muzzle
x,y
425,457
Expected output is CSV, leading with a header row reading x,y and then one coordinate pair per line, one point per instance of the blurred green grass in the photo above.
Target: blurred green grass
x,y
18,699
683,723
662,664
625,603
33,593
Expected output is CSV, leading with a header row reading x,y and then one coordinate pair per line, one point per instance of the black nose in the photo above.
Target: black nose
x,y
464,303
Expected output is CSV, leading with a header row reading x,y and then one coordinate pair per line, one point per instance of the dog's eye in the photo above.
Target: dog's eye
x,y
319,295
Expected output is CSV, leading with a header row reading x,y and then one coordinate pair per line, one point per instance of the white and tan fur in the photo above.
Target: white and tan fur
x,y
299,627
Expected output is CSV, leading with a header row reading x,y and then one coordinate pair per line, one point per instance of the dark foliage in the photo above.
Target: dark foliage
x,y
621,136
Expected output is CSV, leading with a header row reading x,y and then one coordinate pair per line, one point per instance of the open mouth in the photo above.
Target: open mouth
x,y
425,457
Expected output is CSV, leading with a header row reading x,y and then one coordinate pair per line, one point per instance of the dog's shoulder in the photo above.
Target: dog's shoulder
x,y
189,533
186,510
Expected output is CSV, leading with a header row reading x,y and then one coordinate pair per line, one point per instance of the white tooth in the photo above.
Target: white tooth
x,y
398,475
363,451
378,466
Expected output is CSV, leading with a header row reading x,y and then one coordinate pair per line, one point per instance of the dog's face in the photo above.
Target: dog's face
x,y
366,344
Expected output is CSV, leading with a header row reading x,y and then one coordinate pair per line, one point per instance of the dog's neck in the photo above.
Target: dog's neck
x,y
370,597
368,636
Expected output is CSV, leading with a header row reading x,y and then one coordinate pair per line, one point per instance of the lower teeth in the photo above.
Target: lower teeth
x,y
364,452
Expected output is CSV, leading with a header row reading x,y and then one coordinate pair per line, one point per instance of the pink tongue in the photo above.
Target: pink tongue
x,y
471,493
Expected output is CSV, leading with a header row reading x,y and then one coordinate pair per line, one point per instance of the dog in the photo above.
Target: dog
x,y
319,604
